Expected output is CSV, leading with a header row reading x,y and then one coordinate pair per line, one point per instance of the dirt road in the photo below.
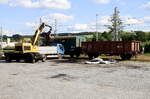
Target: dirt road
x,y
64,79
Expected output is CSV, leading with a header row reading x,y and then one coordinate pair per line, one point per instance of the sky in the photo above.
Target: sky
x,y
23,16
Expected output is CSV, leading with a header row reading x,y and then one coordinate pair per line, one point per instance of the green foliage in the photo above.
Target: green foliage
x,y
146,46
136,35
16,37
141,36
89,38
106,36
127,36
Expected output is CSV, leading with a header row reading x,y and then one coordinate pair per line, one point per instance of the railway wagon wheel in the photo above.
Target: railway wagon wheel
x,y
126,56
90,56
96,55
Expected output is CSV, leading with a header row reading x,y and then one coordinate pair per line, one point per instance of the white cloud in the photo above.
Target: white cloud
x,y
3,1
91,27
147,18
129,20
59,17
147,5
104,20
30,24
123,3
105,1
50,19
58,4
79,27
10,32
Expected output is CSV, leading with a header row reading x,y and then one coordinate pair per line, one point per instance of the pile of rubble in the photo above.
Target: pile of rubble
x,y
101,61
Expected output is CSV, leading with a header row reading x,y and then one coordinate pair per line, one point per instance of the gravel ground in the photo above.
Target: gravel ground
x,y
72,79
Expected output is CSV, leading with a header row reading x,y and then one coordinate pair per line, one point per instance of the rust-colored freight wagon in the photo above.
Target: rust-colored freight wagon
x,y
125,49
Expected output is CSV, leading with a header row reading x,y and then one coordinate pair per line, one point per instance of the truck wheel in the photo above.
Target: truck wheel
x,y
7,59
33,60
60,56
44,58
18,60
32,57
71,55
77,55
29,58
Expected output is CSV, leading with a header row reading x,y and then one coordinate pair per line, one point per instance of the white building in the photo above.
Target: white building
x,y
7,44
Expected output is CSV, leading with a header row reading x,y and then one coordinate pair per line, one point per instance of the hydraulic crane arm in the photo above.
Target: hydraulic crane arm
x,y
38,31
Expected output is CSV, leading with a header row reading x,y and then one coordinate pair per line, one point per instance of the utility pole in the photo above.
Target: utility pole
x,y
96,27
1,34
116,25
55,31
40,21
115,32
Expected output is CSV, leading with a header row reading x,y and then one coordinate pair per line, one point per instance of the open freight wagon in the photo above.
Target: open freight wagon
x,y
124,49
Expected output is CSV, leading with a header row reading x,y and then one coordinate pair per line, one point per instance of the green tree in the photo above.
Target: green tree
x,y
148,37
5,37
141,36
128,36
16,37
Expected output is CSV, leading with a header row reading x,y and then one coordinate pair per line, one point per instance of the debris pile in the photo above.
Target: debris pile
x,y
101,61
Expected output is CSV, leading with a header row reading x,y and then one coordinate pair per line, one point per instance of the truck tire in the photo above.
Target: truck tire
x,y
44,58
8,58
72,55
33,60
29,58
18,60
77,55
32,57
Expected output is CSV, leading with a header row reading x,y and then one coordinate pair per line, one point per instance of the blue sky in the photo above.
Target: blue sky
x,y
22,16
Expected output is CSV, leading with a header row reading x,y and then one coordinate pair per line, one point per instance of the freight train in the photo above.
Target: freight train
x,y
76,45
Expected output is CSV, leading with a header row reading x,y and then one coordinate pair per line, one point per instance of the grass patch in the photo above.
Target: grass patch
x,y
146,54
142,58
